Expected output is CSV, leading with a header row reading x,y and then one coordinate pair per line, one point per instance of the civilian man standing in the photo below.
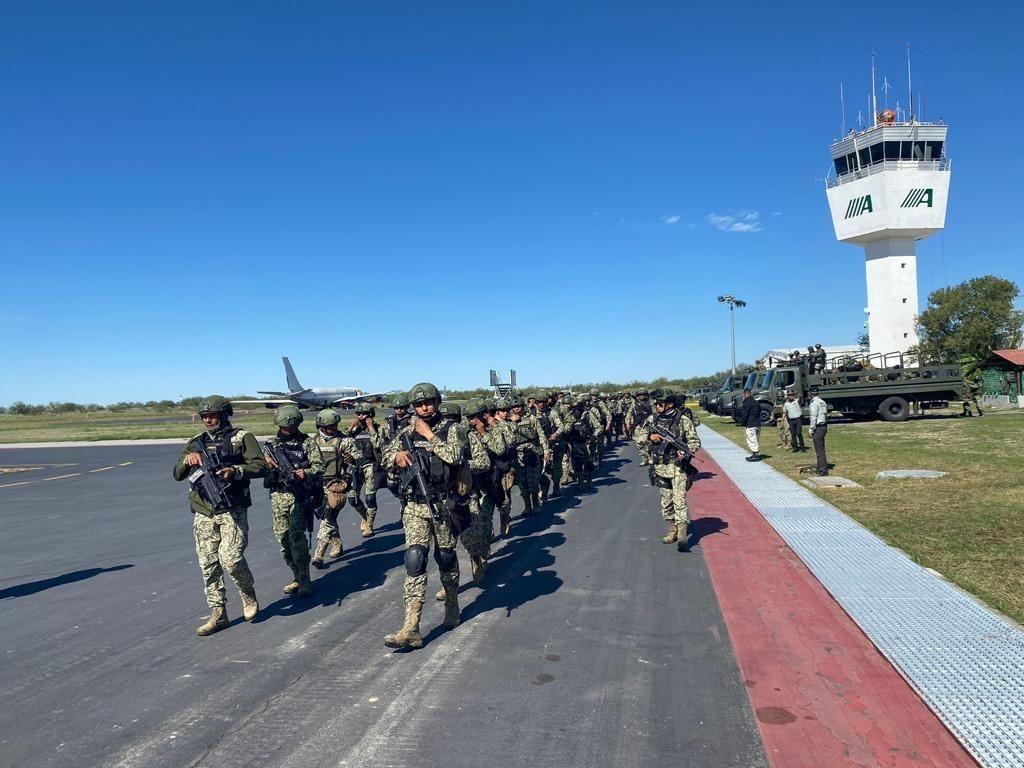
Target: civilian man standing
x,y
818,428
795,418
750,418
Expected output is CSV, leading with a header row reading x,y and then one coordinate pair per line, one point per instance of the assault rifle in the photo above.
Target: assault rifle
x,y
418,472
285,474
671,441
207,483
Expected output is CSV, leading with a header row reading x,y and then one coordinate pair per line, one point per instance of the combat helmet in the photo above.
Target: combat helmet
x,y
502,403
366,408
328,417
424,392
450,410
215,404
474,407
401,400
288,416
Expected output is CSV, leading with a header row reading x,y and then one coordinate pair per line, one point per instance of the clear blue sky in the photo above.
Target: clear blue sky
x,y
389,192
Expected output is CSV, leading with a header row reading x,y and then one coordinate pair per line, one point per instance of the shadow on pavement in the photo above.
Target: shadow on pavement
x,y
705,526
32,587
364,567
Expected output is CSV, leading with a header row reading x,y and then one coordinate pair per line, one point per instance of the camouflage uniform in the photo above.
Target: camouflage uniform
x,y
496,440
338,453
531,448
597,424
635,417
508,479
446,453
291,505
670,475
370,443
221,535
558,414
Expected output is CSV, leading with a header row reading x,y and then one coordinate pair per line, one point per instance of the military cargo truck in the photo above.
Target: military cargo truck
x,y
723,396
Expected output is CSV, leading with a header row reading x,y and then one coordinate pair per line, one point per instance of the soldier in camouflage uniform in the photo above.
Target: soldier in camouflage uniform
x,y
539,407
389,428
222,532
369,438
443,445
501,452
293,499
531,448
635,417
506,463
597,429
670,472
339,454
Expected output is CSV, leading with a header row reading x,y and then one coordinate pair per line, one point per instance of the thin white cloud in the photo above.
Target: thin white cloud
x,y
690,225
743,221
777,213
671,219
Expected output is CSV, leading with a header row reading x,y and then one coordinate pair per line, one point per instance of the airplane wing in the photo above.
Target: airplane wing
x,y
272,403
357,398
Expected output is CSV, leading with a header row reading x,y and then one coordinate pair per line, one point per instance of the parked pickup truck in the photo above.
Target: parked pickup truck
x,y
720,402
854,387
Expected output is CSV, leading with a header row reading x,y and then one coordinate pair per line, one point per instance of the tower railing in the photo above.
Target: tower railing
x,y
943,164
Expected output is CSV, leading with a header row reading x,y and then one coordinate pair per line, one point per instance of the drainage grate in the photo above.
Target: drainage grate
x,y
966,662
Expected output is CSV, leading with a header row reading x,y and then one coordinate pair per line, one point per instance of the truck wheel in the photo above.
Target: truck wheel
x,y
767,412
894,409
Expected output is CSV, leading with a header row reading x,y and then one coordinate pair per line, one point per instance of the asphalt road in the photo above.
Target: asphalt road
x,y
590,643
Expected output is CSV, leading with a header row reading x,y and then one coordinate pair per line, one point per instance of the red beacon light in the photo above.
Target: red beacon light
x,y
887,117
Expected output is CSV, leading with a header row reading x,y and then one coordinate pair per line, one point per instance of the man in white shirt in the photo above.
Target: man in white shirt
x,y
818,428
795,419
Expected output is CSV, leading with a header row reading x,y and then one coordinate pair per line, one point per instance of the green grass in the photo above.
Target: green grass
x,y
968,526
134,424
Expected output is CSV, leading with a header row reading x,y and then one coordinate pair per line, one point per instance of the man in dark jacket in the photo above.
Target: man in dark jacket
x,y
750,418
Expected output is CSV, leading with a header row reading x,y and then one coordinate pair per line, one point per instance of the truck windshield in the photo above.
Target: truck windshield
x,y
766,380
751,380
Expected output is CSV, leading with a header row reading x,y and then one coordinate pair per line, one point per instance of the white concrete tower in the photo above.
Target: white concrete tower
x,y
889,190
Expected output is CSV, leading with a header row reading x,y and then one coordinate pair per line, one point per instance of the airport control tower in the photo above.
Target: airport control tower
x,y
889,190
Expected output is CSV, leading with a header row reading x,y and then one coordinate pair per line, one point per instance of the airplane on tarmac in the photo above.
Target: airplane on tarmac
x,y
315,397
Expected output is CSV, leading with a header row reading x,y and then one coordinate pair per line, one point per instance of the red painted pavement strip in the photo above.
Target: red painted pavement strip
x,y
823,695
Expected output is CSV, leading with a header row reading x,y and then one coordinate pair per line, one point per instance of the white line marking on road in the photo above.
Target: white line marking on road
x,y
23,482
125,463
61,477
101,469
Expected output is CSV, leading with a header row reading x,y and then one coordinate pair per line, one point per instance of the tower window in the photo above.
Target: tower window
x,y
905,335
904,301
903,265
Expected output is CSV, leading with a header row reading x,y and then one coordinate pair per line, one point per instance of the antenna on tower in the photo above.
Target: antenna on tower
x,y
885,90
860,119
842,109
874,99
910,87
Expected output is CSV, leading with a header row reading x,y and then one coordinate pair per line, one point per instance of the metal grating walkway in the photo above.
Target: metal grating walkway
x,y
966,662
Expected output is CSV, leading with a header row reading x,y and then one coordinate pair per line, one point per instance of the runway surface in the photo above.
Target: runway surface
x,y
591,643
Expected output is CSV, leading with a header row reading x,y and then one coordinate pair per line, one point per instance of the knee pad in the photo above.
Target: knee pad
x,y
447,560
416,560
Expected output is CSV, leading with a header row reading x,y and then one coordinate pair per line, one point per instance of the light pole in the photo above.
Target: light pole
x,y
733,302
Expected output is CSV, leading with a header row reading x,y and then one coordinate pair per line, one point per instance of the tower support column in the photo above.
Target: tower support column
x,y
891,265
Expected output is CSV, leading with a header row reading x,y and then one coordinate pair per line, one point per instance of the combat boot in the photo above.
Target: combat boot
x,y
291,587
452,615
318,555
368,528
305,585
337,549
683,545
250,606
672,535
506,523
527,505
218,620
537,500
479,565
409,635
556,490
544,495
440,595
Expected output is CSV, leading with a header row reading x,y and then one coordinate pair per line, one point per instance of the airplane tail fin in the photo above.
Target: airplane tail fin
x,y
293,380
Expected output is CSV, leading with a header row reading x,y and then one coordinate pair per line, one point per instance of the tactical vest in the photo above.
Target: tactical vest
x,y
396,425
221,446
526,433
334,461
365,444
641,411
294,450
545,422
441,476
670,422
